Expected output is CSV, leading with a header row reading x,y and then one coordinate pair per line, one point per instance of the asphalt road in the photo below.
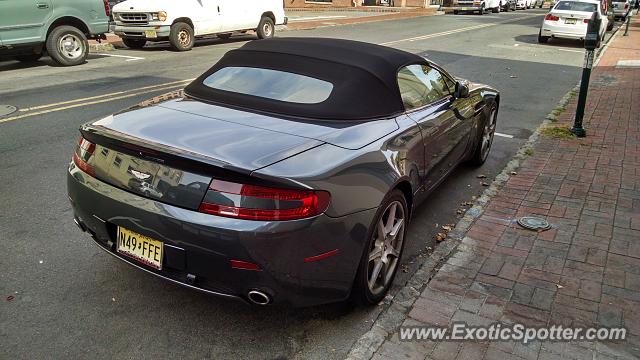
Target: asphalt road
x,y
64,298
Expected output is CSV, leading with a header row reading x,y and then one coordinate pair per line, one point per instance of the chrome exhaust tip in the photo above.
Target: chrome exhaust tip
x,y
258,297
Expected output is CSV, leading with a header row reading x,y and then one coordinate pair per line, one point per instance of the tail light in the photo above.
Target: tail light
x,y
586,21
626,6
551,17
252,202
107,7
83,153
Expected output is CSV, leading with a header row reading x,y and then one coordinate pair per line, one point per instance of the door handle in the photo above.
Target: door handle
x,y
42,6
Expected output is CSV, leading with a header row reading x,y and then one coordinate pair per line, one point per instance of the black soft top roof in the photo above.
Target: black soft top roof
x,y
364,77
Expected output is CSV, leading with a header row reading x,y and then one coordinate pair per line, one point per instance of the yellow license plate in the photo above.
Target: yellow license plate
x,y
150,34
570,21
140,248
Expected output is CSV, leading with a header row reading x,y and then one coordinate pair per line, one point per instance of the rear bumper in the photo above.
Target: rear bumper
x,y
202,245
562,31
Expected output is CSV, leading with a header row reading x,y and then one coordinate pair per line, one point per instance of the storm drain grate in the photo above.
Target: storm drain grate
x,y
534,223
7,110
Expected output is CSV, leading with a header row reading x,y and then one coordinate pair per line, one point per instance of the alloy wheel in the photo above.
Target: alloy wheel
x,y
386,246
71,46
488,134
184,38
267,29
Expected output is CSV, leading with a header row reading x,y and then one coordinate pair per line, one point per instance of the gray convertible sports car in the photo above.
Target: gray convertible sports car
x,y
287,173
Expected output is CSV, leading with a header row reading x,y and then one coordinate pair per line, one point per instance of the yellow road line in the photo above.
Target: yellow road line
x,y
18,117
103,95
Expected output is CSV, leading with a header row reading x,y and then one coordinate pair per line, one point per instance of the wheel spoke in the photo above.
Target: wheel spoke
x,y
381,230
394,252
376,253
396,228
375,273
392,217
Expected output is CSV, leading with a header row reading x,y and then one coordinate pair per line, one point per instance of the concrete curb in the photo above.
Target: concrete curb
x,y
390,319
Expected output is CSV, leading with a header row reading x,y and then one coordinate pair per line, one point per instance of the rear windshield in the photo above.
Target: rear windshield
x,y
576,6
270,84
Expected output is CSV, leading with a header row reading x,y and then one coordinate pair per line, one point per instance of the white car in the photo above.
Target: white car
x,y
569,20
181,22
478,6
523,4
621,8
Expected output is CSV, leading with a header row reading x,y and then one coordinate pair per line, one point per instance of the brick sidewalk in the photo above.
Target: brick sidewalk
x,y
585,271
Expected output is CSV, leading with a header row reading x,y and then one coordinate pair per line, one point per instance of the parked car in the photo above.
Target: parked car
x,y
537,3
569,19
181,22
523,4
477,6
509,5
307,178
621,8
60,28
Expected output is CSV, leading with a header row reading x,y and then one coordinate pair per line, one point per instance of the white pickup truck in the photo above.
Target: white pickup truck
x,y
181,22
479,6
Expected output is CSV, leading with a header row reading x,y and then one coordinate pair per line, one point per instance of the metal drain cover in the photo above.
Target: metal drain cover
x,y
7,109
534,223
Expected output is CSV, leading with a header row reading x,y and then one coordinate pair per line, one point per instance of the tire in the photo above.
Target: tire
x,y
67,46
482,9
266,28
390,247
542,39
496,10
610,26
134,43
481,153
181,37
455,12
29,58
226,36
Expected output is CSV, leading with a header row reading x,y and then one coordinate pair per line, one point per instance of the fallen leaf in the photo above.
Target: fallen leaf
x,y
441,237
113,299
559,286
513,76
10,298
459,212
481,176
484,183
446,228
514,173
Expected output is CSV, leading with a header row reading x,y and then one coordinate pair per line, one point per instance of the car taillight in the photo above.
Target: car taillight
x,y
83,153
626,6
551,17
586,21
107,8
253,202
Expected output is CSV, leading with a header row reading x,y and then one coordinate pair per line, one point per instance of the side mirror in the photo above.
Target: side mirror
x,y
462,90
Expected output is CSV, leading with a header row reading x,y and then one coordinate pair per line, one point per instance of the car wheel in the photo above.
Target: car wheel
x,y
181,37
134,43
266,28
381,257
67,45
29,58
481,152
224,36
610,26
482,9
542,39
496,10
455,12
